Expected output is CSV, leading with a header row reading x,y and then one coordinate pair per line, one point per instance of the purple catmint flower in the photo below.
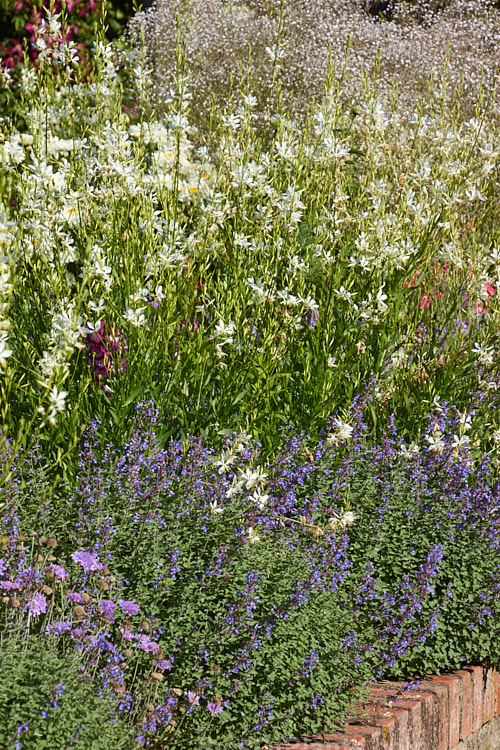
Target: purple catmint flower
x,y
313,319
3,567
130,608
87,560
38,605
59,627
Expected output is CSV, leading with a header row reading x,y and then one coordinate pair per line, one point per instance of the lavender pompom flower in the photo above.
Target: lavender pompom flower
x,y
87,560
130,608
38,605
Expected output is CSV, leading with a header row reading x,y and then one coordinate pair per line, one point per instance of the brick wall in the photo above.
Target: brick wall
x,y
441,713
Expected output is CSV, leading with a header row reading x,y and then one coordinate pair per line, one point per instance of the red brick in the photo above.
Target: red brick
x,y
477,696
429,718
350,737
467,716
372,735
414,710
313,746
388,726
442,709
497,676
489,698
454,684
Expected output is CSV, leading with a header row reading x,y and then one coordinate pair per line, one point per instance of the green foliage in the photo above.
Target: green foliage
x,y
45,703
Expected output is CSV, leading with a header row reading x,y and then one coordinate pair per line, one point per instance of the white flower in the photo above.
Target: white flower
x,y
231,121
253,537
331,362
223,330
310,303
484,353
259,499
159,295
344,294
225,462
4,352
348,518
250,100
57,400
409,451
89,327
437,405
436,443
275,53
250,478
215,508
343,432
460,441
136,317
97,307
465,422
381,297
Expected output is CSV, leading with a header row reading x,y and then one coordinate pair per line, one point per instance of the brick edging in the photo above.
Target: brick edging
x,y
437,714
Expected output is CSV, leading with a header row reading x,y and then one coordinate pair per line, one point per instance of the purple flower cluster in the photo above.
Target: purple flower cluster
x,y
105,354
257,601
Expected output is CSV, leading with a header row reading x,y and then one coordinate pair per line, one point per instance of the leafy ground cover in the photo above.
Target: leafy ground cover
x,y
249,394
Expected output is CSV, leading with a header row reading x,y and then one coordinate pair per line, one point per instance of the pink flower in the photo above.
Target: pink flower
x,y
214,708
425,302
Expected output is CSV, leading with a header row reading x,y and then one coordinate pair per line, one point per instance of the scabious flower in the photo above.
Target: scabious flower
x,y
193,698
38,605
130,608
165,663
108,609
145,643
87,560
59,573
214,708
